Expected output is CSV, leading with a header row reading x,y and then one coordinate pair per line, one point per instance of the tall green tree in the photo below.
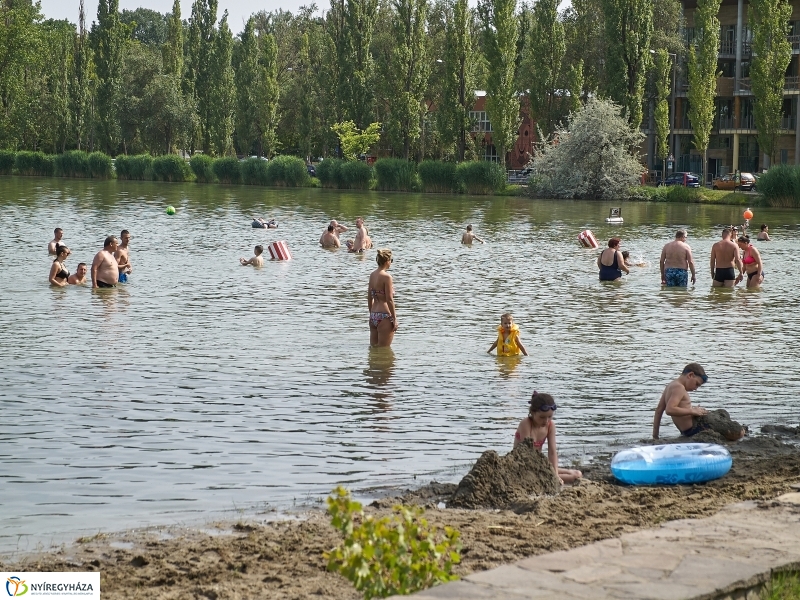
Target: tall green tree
x,y
458,86
268,94
356,70
584,33
199,81
772,53
661,74
500,35
408,70
19,45
245,59
146,25
555,86
703,75
172,50
81,73
628,29
221,93
109,40
55,114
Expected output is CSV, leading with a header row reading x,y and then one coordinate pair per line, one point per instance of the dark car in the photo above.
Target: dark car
x,y
685,179
312,171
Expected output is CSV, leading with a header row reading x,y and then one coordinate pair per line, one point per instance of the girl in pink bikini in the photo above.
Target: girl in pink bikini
x,y
539,427
380,299
751,259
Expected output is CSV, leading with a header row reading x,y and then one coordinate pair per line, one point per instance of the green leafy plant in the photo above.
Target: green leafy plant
x,y
227,169
397,554
355,142
202,167
99,166
481,177
355,175
396,174
7,161
254,172
289,171
34,164
170,167
329,172
438,177
73,163
137,167
783,586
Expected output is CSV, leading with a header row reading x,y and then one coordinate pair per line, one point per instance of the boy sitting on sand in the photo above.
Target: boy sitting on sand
x,y
538,427
507,342
256,261
676,403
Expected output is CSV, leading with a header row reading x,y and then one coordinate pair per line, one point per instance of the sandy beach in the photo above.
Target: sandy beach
x,y
283,559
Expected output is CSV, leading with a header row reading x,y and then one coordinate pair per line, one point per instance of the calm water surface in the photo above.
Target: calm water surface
x,y
203,387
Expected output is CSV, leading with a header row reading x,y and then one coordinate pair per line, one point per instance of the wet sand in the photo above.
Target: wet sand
x,y
283,559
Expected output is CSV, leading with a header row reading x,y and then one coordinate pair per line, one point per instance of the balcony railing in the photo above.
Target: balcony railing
x,y
729,122
791,84
794,40
727,47
789,122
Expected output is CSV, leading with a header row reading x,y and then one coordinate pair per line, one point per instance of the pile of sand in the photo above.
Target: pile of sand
x,y
720,422
503,481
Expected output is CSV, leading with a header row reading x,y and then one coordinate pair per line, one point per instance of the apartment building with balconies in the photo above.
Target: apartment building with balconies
x,y
733,144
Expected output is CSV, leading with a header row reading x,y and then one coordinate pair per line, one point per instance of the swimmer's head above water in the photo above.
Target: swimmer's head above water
x,y
258,250
507,321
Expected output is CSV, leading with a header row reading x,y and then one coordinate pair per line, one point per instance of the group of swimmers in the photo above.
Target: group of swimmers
x,y
676,261
110,266
360,242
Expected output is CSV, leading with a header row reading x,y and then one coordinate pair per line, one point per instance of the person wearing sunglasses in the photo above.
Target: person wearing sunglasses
x,y
538,427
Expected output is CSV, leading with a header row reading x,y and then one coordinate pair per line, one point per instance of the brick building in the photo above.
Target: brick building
x,y
522,150
733,144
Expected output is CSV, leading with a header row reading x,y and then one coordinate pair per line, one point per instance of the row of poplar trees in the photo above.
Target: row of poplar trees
x,y
141,81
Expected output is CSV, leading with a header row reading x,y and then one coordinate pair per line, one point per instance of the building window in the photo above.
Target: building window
x,y
784,157
480,121
490,153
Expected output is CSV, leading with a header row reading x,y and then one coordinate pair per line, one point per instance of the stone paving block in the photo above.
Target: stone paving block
x,y
537,583
463,590
712,572
649,558
594,573
652,590
565,560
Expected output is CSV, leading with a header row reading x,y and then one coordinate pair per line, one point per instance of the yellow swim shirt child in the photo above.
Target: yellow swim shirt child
x,y
508,342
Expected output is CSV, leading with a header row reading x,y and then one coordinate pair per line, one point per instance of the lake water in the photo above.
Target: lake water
x,y
203,387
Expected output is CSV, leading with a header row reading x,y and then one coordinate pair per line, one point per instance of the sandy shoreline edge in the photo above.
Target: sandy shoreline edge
x,y
283,558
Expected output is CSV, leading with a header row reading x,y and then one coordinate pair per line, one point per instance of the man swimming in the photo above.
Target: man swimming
x,y
257,260
724,257
105,268
58,233
79,276
329,239
362,240
676,262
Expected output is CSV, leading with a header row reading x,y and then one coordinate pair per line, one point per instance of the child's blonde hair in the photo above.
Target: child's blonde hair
x,y
384,256
506,316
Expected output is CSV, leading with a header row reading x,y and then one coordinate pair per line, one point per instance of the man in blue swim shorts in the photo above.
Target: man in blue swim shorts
x,y
676,262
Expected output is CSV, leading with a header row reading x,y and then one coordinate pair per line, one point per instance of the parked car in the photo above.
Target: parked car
x,y
684,178
312,171
728,182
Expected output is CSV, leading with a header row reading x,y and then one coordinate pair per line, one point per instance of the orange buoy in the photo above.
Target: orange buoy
x,y
748,214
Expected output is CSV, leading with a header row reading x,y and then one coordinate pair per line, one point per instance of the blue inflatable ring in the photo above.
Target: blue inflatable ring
x,y
669,464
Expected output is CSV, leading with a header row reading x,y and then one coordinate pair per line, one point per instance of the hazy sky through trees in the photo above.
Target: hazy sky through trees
x,y
238,10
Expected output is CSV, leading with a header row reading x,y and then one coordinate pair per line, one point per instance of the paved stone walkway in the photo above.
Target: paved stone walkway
x,y
725,557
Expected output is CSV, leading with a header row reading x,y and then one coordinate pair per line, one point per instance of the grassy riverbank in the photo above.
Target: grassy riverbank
x,y
684,195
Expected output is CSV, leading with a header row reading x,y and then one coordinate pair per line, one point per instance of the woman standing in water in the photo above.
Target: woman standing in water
x,y
751,259
611,262
380,299
58,273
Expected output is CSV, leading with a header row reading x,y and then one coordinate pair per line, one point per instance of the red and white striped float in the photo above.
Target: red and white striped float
x,y
279,251
587,239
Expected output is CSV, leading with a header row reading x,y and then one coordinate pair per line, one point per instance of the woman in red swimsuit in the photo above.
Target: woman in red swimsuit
x,y
751,258
539,427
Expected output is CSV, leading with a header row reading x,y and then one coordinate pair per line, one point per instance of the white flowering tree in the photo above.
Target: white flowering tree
x,y
595,156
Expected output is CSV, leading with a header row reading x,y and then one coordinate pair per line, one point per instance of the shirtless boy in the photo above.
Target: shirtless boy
x,y
57,235
123,259
676,262
467,237
676,403
105,268
257,260
724,256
